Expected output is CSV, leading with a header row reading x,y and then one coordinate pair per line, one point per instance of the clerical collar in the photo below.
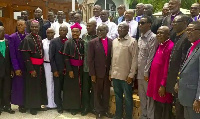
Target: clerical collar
x,y
2,40
104,38
196,18
164,42
38,19
180,33
128,21
173,15
35,35
106,22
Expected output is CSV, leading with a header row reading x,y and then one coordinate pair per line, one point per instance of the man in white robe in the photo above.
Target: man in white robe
x,y
47,68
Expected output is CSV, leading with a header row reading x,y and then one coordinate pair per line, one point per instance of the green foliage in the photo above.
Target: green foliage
x,y
158,4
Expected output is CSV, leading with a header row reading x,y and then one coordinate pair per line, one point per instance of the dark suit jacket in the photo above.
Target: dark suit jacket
x,y
5,63
56,58
167,22
177,58
99,63
45,27
115,20
189,83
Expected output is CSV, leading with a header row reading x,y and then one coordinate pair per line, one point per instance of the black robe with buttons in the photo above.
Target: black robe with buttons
x,y
35,88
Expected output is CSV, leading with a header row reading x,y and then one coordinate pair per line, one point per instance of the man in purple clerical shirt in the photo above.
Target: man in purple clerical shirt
x,y
17,95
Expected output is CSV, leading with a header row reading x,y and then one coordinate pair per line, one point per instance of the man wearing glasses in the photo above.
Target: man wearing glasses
x,y
181,45
189,82
147,44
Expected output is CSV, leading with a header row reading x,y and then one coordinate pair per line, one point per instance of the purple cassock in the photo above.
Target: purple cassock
x,y
17,94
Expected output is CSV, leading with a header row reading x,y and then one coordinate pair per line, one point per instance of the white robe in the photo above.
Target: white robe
x,y
56,27
48,75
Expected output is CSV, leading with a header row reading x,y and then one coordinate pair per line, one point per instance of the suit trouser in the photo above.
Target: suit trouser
x,y
179,108
101,94
146,103
162,110
189,113
87,93
58,88
5,91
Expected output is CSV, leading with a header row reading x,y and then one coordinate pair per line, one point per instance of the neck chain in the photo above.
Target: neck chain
x,y
19,36
37,43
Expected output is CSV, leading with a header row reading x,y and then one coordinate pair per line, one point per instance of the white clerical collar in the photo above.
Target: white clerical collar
x,y
2,40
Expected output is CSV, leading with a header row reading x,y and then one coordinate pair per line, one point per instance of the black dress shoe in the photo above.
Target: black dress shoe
x,y
109,115
33,111
74,112
22,109
98,116
60,110
9,110
84,111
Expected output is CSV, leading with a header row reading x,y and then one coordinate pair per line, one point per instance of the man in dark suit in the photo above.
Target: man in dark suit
x,y
121,9
99,61
5,74
174,8
188,80
57,65
51,18
38,17
181,45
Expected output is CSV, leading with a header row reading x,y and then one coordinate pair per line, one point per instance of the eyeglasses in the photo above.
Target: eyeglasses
x,y
175,22
142,23
190,29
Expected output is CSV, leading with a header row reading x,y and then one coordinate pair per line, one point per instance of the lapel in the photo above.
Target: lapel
x,y
190,57
109,46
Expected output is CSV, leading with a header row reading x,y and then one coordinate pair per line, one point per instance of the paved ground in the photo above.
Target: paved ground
x,y
50,114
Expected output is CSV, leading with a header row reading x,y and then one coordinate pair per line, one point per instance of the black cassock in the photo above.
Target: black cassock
x,y
73,52
35,88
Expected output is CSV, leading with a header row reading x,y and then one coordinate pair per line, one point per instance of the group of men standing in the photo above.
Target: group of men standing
x,y
70,66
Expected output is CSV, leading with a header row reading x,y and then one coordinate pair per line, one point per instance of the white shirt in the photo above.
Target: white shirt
x,y
112,33
56,27
46,43
83,30
132,27
97,19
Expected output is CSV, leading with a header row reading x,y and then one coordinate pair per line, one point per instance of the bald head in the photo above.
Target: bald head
x,y
77,18
129,14
96,10
139,9
91,27
21,26
194,9
50,33
123,29
104,14
163,34
38,13
148,9
165,29
63,30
